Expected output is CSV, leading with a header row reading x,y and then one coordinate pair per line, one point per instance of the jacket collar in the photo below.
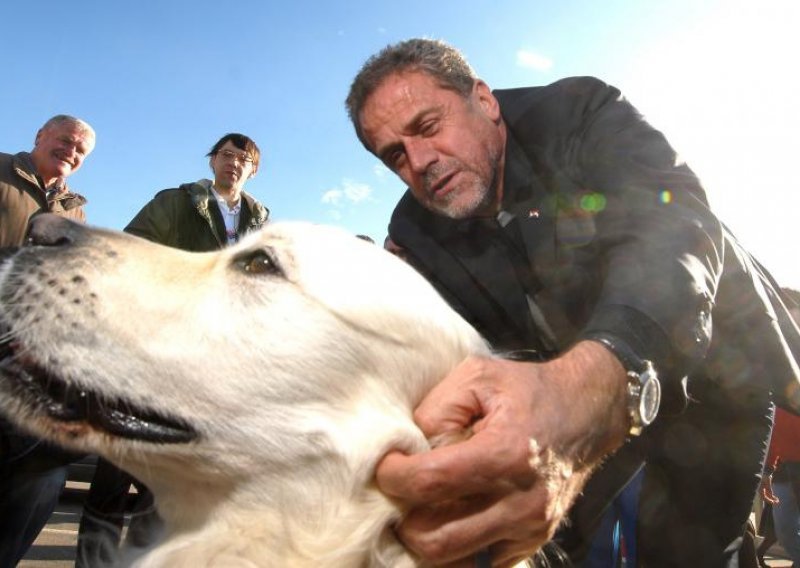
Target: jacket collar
x,y
23,165
24,168
200,195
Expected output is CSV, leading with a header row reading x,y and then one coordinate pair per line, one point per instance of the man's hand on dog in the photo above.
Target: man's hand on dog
x,y
538,431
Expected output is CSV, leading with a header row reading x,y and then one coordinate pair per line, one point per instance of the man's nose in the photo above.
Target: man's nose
x,y
421,154
67,151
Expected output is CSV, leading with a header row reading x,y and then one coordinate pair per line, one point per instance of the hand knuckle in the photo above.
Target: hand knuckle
x,y
433,547
428,483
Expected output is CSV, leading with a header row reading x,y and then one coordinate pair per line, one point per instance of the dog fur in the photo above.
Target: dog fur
x,y
295,356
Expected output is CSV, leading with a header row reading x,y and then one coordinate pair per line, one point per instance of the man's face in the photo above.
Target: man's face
x,y
232,167
447,148
60,149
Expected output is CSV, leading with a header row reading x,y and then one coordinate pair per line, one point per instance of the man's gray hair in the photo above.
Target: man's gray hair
x,y
67,119
441,61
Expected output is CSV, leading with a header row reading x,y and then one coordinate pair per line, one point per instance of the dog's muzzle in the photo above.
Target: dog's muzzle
x,y
43,393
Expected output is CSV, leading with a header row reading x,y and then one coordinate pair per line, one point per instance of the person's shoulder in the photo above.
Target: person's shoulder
x,y
18,160
542,114
6,160
584,88
258,211
171,193
576,85
563,92
16,165
167,199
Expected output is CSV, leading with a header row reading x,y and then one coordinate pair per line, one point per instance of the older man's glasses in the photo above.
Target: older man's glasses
x,y
235,156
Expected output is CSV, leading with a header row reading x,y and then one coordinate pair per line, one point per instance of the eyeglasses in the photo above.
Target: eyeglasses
x,y
241,158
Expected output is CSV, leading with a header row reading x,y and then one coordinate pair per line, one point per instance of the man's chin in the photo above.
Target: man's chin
x,y
461,208
225,185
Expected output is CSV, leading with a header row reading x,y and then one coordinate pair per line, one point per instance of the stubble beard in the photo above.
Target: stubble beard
x,y
474,197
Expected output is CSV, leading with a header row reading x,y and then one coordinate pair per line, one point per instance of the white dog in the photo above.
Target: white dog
x,y
252,389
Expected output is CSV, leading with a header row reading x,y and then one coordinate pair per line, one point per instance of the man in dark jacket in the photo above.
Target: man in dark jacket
x,y
32,472
557,221
207,215
202,216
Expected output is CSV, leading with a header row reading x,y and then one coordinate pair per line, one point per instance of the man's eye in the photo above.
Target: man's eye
x,y
428,128
259,262
395,159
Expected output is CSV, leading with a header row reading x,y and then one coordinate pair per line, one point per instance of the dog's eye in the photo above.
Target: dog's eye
x,y
259,262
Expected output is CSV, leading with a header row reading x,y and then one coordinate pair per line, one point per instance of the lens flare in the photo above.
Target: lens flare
x,y
593,202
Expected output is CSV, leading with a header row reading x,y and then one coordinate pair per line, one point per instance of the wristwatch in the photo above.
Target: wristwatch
x,y
644,388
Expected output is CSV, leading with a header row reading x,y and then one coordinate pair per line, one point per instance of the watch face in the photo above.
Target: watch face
x,y
650,398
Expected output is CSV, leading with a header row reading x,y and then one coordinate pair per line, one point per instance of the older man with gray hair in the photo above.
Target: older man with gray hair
x,y
35,181
32,472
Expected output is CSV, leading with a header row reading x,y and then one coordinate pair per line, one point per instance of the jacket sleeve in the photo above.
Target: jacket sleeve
x,y
661,248
154,222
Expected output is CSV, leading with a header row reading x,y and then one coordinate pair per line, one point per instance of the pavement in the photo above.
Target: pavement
x,y
55,547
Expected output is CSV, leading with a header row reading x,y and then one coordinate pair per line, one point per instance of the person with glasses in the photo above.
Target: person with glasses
x,y
33,472
199,216
207,214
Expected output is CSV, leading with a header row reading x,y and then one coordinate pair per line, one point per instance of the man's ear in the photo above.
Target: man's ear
x,y
36,140
253,172
483,96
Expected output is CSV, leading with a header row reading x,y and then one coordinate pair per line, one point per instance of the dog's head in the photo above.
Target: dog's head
x,y
301,341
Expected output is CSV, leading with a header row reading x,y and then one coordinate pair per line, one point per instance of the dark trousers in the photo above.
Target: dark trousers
x,y
26,503
702,472
32,476
100,530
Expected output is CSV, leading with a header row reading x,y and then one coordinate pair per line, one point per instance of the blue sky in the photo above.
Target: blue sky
x,y
161,80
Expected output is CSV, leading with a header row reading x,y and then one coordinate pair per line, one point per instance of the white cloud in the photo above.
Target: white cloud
x,y
349,192
332,197
381,171
532,60
356,192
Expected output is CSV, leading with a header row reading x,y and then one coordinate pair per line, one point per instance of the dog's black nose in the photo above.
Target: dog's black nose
x,y
51,230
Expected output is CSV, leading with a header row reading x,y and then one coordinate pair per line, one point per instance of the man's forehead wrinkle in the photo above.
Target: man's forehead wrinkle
x,y
409,127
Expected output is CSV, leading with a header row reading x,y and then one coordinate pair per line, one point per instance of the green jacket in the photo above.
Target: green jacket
x,y
188,218
22,195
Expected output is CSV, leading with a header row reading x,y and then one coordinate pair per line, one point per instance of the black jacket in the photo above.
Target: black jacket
x,y
611,234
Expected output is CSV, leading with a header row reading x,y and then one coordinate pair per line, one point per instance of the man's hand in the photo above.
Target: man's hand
x,y
538,431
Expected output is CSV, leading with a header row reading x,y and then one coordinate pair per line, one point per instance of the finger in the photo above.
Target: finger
x,y
484,463
507,554
512,525
451,405
487,558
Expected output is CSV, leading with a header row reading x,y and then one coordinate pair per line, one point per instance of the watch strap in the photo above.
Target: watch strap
x,y
629,359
